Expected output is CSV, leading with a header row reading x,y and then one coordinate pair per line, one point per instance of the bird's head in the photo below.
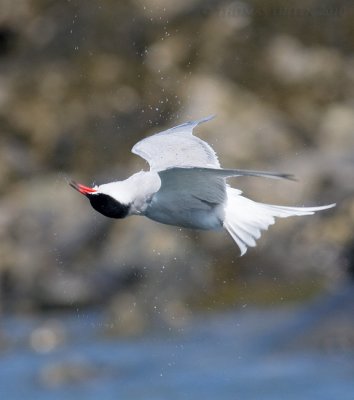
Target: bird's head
x,y
104,200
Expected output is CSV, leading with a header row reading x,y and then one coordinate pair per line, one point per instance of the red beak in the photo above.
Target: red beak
x,y
82,189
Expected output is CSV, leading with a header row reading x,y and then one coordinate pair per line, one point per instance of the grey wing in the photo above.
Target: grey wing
x,y
193,187
177,147
198,187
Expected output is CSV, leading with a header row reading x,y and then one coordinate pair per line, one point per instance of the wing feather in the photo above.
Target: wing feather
x,y
177,147
203,185
195,185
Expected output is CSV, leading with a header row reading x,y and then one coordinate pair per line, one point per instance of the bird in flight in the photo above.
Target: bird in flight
x,y
186,187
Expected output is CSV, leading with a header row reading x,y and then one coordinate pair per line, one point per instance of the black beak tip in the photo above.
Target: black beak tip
x,y
73,184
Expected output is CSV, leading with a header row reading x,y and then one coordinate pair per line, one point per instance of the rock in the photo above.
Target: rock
x,y
47,231
245,129
337,128
48,336
293,63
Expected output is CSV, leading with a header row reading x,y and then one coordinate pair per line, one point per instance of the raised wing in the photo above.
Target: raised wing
x,y
177,147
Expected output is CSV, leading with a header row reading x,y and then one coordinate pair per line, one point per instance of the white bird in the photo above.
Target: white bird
x,y
186,187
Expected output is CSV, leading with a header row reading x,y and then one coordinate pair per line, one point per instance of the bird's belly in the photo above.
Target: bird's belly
x,y
191,218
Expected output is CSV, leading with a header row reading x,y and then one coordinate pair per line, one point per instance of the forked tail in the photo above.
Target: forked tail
x,y
245,219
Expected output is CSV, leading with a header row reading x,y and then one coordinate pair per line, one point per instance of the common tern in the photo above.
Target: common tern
x,y
186,187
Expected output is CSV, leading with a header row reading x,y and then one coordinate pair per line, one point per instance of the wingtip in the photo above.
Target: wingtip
x,y
205,119
242,253
193,123
329,206
290,177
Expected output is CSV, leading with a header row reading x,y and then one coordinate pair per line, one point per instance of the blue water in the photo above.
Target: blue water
x,y
239,355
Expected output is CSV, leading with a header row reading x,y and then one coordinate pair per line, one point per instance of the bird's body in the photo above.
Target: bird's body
x,y
186,187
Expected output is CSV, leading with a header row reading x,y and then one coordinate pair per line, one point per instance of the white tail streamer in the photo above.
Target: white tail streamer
x,y
245,219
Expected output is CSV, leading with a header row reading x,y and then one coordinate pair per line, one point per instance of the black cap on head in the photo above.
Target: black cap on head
x,y
108,206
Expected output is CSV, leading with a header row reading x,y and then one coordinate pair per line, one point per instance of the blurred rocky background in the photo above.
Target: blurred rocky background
x,y
81,82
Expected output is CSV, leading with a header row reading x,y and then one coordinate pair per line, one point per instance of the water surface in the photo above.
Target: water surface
x,y
248,354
